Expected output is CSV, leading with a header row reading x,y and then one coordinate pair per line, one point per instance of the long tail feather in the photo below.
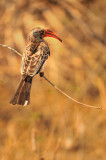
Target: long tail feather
x,y
22,95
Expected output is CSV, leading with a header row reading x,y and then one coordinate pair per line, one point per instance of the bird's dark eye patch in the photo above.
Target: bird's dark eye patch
x,y
42,32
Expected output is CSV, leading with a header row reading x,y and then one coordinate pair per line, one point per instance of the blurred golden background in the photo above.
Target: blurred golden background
x,y
53,127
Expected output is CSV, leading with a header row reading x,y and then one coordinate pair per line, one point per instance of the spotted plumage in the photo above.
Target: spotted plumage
x,y
32,61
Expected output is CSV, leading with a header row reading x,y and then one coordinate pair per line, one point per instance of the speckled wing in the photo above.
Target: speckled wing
x,y
33,60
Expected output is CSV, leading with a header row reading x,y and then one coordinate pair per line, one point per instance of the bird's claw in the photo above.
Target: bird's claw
x,y
41,74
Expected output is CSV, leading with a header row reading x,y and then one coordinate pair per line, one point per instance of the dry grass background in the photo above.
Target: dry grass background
x,y
53,127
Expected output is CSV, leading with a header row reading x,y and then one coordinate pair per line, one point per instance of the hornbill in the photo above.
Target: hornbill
x,y
33,59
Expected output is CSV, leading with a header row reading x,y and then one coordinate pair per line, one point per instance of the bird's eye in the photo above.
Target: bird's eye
x,y
41,32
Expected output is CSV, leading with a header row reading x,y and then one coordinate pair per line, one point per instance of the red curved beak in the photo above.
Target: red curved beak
x,y
49,33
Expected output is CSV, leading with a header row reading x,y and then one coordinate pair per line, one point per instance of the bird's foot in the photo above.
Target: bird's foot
x,y
41,74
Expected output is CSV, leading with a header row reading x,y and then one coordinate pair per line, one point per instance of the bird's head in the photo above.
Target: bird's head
x,y
38,34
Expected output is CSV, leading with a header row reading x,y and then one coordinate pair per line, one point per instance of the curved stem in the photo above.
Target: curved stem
x,y
87,105
74,100
3,45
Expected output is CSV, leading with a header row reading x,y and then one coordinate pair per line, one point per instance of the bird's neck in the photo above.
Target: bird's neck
x,y
32,46
36,42
32,39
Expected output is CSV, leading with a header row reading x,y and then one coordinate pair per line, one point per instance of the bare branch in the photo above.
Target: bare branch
x,y
3,45
70,96
74,100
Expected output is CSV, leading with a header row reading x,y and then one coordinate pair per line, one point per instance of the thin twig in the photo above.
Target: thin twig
x,y
74,100
3,45
70,96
